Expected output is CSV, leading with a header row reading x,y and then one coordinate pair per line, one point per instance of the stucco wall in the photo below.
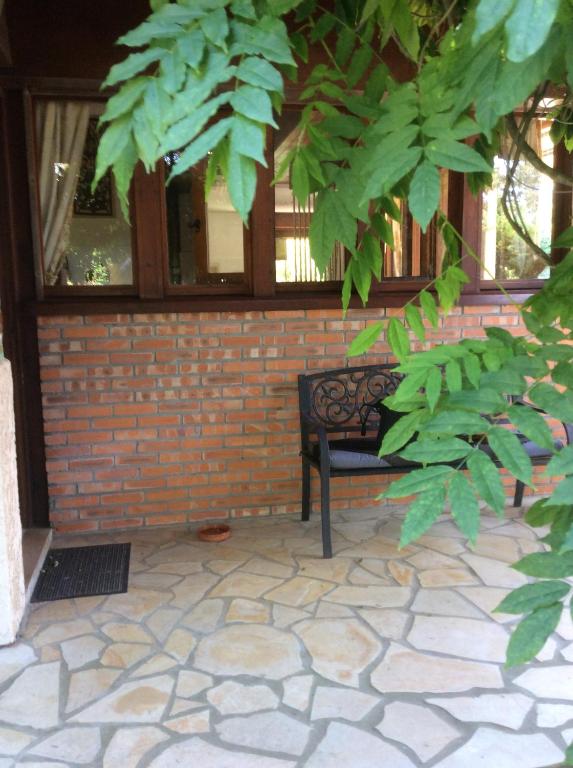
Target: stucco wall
x,y
12,596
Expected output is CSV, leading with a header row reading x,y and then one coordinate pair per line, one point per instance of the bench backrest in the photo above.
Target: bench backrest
x,y
337,398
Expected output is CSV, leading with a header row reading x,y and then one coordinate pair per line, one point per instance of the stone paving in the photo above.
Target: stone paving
x,y
257,653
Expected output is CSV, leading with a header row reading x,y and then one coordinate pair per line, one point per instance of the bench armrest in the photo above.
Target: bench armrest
x,y
309,425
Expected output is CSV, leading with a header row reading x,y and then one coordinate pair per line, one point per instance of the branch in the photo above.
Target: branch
x,y
531,155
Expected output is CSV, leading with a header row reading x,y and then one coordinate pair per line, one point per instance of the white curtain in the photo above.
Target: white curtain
x,y
61,132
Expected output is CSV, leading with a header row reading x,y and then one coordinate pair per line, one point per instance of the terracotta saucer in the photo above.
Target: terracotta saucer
x,y
214,533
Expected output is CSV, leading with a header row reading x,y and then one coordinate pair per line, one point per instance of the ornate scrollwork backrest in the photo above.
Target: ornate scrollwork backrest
x,y
337,397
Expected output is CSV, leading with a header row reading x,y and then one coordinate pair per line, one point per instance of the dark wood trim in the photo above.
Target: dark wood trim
x,y
149,235
562,200
263,234
17,294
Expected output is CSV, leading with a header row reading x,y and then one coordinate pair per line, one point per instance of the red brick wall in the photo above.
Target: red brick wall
x,y
172,418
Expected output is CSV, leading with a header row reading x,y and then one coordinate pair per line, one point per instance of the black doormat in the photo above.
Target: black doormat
x,y
83,572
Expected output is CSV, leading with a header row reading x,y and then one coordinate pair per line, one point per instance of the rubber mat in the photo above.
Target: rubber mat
x,y
83,572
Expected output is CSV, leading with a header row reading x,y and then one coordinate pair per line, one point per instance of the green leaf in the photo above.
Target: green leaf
x,y
510,453
299,179
344,45
465,507
456,156
563,494
487,480
528,27
322,27
123,101
569,755
489,13
331,221
248,139
424,194
377,83
434,451
184,131
531,634
545,565
135,63
482,400
203,144
253,103
557,404
428,304
563,374
453,376
362,277
411,384
260,73
532,424
359,63
242,183
365,339
415,321
268,38
112,143
533,596
541,513
417,481
424,511
385,175
398,338
504,380
372,254
402,431
433,387
565,239
457,423
122,172
561,463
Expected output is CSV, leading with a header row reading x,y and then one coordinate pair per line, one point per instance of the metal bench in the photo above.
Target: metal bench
x,y
341,429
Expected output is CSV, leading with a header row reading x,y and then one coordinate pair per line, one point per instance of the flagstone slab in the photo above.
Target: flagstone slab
x,y
444,602
56,633
124,655
493,573
553,715
407,671
179,644
380,567
340,649
76,745
249,649
190,683
240,584
196,751
14,659
379,547
128,746
487,599
162,622
248,611
161,662
135,604
299,591
427,560
283,616
180,569
417,727
401,572
192,589
88,685
297,690
441,544
138,702
198,722
498,547
232,698
446,577
346,745
507,750
464,638
388,623
205,616
12,742
361,577
507,709
332,611
373,597
548,682
39,684
332,703
264,567
149,580
269,731
81,651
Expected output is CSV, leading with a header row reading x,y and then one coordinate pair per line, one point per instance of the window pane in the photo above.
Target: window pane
x,y
85,238
206,239
412,254
505,255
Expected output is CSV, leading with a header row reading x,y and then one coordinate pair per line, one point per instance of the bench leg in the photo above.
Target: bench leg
x,y
305,490
518,497
325,514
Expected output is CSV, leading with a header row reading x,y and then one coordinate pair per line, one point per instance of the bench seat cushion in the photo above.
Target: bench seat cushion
x,y
352,453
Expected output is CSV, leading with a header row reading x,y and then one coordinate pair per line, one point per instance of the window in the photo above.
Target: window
x,y
206,239
84,238
505,255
